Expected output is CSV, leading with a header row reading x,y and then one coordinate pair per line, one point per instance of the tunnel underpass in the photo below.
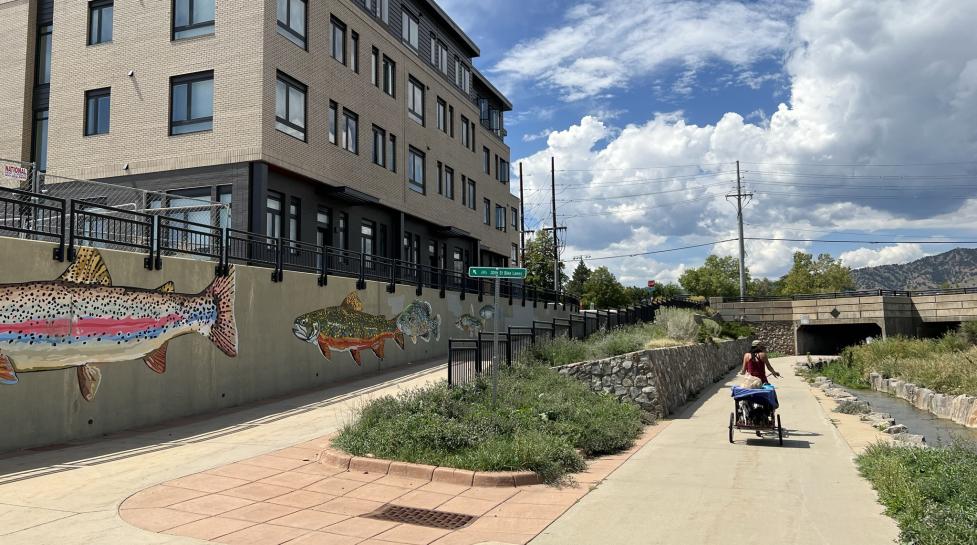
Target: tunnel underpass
x,y
828,340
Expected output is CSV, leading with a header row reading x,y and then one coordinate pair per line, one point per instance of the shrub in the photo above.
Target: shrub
x,y
735,330
968,332
678,323
539,422
930,492
853,407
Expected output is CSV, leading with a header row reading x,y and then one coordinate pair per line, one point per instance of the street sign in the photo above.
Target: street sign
x,y
651,283
496,272
15,172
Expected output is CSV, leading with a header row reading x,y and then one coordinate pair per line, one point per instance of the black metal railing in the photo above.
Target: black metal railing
x,y
469,358
33,216
103,226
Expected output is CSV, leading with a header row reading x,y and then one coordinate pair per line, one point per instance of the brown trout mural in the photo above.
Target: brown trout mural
x,y
80,319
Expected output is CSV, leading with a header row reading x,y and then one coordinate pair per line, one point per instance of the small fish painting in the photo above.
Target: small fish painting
x,y
469,323
80,319
346,328
487,312
416,322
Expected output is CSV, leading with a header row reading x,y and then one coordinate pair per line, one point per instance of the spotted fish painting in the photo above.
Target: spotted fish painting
x,y
81,319
346,328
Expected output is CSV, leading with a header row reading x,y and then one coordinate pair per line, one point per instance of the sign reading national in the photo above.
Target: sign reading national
x,y
496,272
15,172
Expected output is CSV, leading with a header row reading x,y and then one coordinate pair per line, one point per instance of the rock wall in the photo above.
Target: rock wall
x,y
778,336
661,380
962,409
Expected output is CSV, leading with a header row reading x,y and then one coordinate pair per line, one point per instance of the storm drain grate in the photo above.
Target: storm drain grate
x,y
421,517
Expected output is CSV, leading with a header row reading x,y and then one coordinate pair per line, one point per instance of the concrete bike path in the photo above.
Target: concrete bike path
x,y
690,485
71,496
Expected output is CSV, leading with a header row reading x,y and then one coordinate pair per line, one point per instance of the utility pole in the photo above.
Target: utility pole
x,y
556,245
522,221
739,220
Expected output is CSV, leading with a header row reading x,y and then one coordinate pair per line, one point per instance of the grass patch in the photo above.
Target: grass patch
x,y
775,354
947,365
542,418
853,407
931,492
561,350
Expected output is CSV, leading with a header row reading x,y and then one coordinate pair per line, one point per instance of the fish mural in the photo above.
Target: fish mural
x,y
470,323
346,328
487,312
416,322
80,319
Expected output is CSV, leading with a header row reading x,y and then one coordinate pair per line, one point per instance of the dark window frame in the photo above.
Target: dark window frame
x,y
487,161
95,95
335,24
285,28
347,116
38,116
332,123
449,182
405,28
274,231
290,83
413,184
354,51
42,32
375,67
442,115
388,86
414,85
294,215
392,163
189,80
486,211
99,6
500,218
379,135
175,30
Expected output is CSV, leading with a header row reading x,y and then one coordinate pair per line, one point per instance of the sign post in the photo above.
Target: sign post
x,y
496,273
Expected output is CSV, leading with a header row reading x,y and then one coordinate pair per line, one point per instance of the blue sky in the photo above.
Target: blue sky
x,y
854,120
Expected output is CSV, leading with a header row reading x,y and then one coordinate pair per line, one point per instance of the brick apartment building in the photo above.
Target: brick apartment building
x,y
359,124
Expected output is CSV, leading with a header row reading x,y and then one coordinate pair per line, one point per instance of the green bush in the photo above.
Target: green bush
x,y
677,323
930,492
968,332
605,344
735,330
853,407
540,421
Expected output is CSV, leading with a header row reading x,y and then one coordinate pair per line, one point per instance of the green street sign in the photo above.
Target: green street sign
x,y
496,272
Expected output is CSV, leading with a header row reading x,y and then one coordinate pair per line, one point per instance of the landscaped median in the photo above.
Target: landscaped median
x,y
551,414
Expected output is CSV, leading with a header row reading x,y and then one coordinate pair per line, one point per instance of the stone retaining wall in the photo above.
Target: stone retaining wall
x,y
778,336
962,409
660,380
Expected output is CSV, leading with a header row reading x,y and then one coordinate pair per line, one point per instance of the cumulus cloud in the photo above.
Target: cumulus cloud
x,y
606,45
886,83
867,257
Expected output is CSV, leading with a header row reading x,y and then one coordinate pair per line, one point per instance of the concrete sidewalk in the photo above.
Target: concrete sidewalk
x,y
691,486
71,496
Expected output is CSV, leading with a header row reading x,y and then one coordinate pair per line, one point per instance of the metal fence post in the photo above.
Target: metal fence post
x,y
324,266
361,278
420,280
442,280
71,231
277,275
478,353
59,251
451,362
481,289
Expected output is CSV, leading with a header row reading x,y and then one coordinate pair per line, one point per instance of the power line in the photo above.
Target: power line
x,y
713,243
791,228
929,187
590,199
861,165
639,208
634,181
832,241
699,166
864,197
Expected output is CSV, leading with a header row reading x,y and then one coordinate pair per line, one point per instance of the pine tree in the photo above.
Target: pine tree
x,y
539,262
579,278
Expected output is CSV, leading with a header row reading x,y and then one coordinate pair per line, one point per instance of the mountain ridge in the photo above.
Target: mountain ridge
x,y
956,268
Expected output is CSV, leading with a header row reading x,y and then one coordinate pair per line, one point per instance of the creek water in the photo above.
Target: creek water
x,y
938,431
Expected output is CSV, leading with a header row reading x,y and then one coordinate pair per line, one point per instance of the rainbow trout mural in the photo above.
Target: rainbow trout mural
x,y
81,318
347,328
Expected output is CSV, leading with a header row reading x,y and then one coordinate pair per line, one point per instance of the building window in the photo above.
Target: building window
x,y
99,22
379,146
415,170
294,219
442,116
466,133
451,121
323,219
449,183
292,21
486,161
514,255
415,100
389,76
273,215
515,218
392,163
97,107
440,178
486,212
39,144
410,30
225,196
368,239
42,75
290,106
502,170
354,51
342,229
379,8
192,103
338,40
463,75
192,18
500,223
351,131
471,193
375,67
333,121
471,133
439,54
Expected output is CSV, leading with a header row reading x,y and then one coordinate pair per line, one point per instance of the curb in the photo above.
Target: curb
x,y
437,474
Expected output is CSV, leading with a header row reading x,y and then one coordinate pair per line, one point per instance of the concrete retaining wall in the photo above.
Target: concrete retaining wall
x,y
962,409
778,336
46,407
661,380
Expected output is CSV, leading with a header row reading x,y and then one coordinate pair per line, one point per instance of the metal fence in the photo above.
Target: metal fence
x,y
469,358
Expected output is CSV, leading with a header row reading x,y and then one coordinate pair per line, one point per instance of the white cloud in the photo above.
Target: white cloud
x,y
889,255
877,82
608,44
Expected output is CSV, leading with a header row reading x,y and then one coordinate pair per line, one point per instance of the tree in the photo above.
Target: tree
x,y
636,296
824,275
602,290
717,277
666,291
539,262
763,287
580,275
